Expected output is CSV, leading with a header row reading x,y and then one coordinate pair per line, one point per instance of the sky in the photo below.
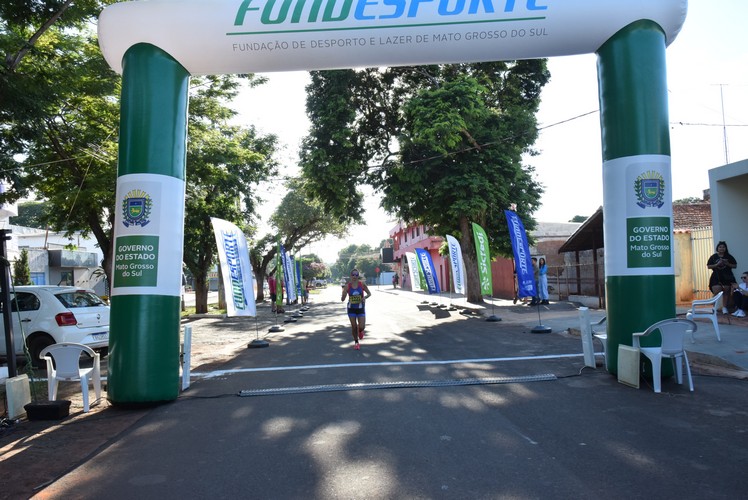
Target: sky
x,y
707,74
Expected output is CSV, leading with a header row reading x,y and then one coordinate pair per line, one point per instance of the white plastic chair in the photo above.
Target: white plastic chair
x,y
63,364
705,309
672,333
600,332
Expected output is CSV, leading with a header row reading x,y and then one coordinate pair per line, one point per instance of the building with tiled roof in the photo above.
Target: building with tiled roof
x,y
692,215
692,244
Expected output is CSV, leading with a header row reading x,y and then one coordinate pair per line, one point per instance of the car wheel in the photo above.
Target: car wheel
x,y
36,344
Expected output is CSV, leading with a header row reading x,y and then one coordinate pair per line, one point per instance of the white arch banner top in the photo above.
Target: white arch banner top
x,y
252,36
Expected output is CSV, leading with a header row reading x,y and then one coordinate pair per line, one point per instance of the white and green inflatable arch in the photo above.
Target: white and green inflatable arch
x,y
158,44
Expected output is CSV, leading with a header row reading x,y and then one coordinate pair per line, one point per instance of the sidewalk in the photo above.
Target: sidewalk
x,y
730,354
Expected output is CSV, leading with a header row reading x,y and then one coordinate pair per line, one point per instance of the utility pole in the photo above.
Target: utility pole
x,y
724,125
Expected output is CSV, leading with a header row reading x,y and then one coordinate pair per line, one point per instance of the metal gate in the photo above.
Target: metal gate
x,y
702,241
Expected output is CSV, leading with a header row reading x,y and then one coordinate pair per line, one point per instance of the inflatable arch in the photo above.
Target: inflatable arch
x,y
158,44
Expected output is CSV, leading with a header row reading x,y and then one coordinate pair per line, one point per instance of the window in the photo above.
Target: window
x,y
79,298
38,279
66,278
24,301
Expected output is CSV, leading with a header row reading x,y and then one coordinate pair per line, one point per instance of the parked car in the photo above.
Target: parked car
x,y
46,315
317,282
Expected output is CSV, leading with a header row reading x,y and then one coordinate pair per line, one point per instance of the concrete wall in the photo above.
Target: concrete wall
x,y
728,186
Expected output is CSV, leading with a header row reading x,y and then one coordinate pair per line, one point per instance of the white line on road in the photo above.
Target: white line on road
x,y
220,373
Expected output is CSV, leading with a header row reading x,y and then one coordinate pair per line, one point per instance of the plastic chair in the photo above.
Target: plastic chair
x,y
600,332
672,333
705,309
63,364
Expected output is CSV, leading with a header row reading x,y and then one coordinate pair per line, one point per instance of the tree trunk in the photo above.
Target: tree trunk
x,y
260,265
201,294
104,239
221,291
260,277
471,262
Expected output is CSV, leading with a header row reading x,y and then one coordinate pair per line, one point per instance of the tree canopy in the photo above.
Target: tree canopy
x,y
312,267
225,164
31,214
444,145
59,115
688,201
60,124
362,257
297,222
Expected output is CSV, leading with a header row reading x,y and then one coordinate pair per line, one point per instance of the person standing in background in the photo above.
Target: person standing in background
x,y
722,280
543,281
272,290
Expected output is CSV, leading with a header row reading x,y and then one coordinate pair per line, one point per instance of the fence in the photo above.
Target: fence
x,y
702,240
578,279
583,279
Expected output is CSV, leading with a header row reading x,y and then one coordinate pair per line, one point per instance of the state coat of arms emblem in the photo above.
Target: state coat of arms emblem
x,y
136,208
650,190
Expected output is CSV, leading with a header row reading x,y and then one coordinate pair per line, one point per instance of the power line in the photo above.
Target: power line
x,y
372,167
690,124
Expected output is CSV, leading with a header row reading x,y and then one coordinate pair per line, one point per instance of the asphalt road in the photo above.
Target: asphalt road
x,y
436,404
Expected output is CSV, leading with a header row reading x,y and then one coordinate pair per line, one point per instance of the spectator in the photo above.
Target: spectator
x,y
543,281
740,296
272,289
722,280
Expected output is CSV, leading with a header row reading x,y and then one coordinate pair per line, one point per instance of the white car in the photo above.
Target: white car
x,y
46,315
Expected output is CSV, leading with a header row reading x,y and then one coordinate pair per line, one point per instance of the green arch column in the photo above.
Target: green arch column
x,y
637,206
149,229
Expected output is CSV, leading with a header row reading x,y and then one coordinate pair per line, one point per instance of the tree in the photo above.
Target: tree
x,y
333,154
26,23
32,214
688,201
21,270
312,267
59,115
361,257
224,165
579,218
462,131
298,221
59,130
